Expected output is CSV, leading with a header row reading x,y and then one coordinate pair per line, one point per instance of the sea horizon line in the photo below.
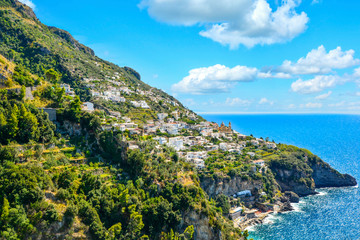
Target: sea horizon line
x,y
275,113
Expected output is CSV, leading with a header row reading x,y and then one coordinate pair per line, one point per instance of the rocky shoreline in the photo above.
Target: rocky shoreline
x,y
322,176
284,206
262,211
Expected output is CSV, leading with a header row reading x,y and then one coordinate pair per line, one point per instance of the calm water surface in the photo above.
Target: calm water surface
x,y
335,213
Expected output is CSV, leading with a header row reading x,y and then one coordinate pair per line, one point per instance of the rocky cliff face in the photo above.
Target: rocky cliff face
x,y
201,224
314,173
325,176
228,186
295,181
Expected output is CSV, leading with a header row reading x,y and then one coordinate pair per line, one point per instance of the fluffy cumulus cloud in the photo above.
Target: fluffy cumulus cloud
x,y
323,96
233,22
318,61
311,105
28,3
214,79
237,102
266,101
317,84
269,74
338,104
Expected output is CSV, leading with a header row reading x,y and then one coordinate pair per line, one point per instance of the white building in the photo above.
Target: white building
x,y
177,143
251,154
270,145
235,150
170,128
223,146
200,164
133,147
175,114
88,106
141,104
259,162
255,142
161,140
196,155
66,87
245,193
162,116
118,99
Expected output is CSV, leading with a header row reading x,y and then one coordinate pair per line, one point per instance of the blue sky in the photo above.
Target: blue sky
x,y
227,56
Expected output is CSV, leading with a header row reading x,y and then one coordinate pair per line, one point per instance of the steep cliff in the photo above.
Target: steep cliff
x,y
229,186
202,228
325,176
301,171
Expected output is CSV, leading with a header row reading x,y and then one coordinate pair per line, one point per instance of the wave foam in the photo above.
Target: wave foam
x,y
297,206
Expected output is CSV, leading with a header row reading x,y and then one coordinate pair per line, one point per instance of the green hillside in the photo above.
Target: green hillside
x,y
89,151
59,185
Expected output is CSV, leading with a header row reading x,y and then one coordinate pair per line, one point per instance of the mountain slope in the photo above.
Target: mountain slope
x,y
132,162
37,47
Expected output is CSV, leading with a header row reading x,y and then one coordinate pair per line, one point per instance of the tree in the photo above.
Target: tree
x,y
12,126
2,124
115,231
135,163
52,76
66,178
75,109
135,223
22,93
222,201
28,125
4,212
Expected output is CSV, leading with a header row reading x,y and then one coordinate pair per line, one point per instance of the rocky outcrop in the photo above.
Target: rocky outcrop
x,y
303,177
293,197
294,180
325,176
228,186
202,228
67,37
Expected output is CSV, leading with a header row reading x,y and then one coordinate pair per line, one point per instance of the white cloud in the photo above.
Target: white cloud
x,y
317,84
233,22
189,102
339,104
315,2
311,105
266,101
323,96
357,94
357,72
291,106
318,61
272,75
28,3
237,102
214,79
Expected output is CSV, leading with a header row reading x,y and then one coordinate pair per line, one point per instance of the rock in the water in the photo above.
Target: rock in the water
x,y
293,197
325,176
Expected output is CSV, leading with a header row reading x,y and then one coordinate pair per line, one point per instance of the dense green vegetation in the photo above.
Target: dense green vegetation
x,y
23,122
78,181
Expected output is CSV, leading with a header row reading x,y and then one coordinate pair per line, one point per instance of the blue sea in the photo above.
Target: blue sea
x,y
335,212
